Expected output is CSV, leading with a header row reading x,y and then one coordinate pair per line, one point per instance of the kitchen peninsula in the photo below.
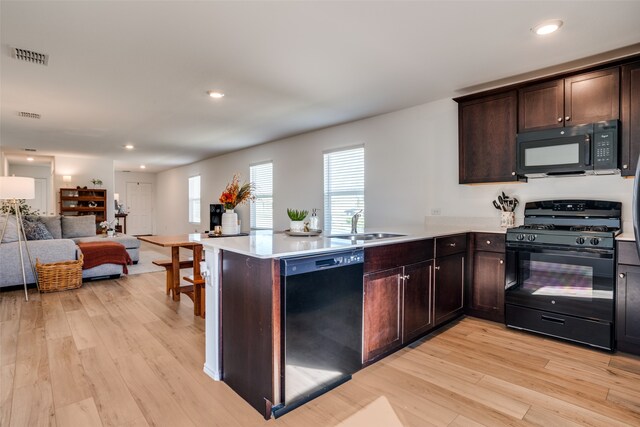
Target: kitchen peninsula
x,y
411,284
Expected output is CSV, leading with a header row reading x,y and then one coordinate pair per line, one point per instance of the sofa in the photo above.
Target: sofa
x,y
54,239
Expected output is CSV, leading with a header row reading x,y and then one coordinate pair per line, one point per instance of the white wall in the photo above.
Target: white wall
x,y
411,167
82,171
37,171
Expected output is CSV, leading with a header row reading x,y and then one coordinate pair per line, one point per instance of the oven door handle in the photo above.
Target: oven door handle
x,y
560,250
587,150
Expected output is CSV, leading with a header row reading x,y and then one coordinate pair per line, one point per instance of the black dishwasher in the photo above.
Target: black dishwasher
x,y
322,319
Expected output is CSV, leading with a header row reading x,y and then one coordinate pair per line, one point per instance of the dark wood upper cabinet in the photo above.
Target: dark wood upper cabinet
x,y
630,117
541,106
487,138
592,97
583,98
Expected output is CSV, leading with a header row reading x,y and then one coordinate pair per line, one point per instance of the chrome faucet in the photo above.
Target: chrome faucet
x,y
354,222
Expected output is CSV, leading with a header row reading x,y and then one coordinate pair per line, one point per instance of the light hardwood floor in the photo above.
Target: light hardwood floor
x,y
120,353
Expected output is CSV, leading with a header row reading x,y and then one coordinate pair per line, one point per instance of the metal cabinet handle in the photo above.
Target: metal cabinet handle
x,y
513,174
567,118
625,166
437,267
501,261
488,242
621,275
407,277
559,119
453,245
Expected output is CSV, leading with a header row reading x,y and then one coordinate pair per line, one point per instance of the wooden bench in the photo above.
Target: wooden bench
x,y
194,291
166,263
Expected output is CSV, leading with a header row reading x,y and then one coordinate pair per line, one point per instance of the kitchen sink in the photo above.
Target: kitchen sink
x,y
366,236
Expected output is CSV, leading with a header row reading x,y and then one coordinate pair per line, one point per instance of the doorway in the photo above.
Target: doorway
x,y
140,205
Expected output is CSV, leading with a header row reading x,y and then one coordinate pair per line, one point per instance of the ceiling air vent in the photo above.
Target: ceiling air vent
x,y
30,149
28,115
31,56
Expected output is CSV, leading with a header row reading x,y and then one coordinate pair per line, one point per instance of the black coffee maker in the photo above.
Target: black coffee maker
x,y
215,215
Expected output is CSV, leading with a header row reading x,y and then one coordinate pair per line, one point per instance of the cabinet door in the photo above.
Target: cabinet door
x,y
592,97
630,126
418,301
541,106
628,309
487,286
382,312
487,139
449,287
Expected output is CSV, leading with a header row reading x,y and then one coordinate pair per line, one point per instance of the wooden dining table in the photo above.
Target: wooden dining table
x,y
175,242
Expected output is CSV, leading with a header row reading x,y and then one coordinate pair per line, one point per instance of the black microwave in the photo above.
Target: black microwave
x,y
590,149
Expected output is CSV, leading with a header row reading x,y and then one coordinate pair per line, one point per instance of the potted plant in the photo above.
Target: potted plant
x,y
297,219
97,182
108,227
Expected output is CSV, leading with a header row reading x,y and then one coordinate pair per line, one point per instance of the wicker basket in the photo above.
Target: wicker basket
x,y
59,276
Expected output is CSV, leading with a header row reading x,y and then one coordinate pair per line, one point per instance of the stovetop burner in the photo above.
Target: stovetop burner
x,y
538,227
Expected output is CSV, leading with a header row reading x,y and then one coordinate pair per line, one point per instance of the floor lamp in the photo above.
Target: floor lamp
x,y
13,188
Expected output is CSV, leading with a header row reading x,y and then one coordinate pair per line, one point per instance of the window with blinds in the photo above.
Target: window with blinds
x,y
261,175
343,189
194,199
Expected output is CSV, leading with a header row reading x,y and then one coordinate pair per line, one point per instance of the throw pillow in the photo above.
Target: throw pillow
x,y
35,230
78,226
11,230
53,224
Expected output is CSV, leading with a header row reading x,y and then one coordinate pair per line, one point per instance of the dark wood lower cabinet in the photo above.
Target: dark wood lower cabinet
x,y
628,309
449,287
251,328
418,301
382,312
486,299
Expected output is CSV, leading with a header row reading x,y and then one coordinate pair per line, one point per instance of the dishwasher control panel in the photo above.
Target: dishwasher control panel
x,y
306,264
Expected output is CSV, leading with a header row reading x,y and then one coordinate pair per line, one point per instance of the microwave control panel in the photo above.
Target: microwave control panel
x,y
605,148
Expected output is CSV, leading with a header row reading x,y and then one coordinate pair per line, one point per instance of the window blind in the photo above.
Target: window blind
x,y
343,189
194,199
261,175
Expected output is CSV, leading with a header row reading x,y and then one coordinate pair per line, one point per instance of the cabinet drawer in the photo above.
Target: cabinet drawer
x,y
385,257
627,253
451,245
491,242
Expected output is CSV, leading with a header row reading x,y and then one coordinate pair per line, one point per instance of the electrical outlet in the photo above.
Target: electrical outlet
x,y
436,212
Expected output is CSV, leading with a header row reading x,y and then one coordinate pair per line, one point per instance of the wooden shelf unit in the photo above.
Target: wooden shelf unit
x,y
77,201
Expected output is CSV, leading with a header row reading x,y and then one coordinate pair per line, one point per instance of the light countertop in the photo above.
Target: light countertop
x,y
269,244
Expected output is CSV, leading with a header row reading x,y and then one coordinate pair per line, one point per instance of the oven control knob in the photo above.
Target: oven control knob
x,y
580,240
531,237
520,237
595,241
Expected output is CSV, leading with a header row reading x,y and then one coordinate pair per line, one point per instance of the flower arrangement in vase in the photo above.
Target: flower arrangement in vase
x,y
108,227
234,195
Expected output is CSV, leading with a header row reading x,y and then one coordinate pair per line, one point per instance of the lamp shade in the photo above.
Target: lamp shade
x,y
17,187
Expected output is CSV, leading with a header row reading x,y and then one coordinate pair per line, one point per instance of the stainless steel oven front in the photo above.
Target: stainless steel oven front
x,y
566,292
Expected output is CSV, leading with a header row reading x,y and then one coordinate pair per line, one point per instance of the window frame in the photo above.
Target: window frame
x,y
190,210
253,216
357,193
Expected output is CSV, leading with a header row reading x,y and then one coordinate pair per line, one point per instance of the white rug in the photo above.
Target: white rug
x,y
144,265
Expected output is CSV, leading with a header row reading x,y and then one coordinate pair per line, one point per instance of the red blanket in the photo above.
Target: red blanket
x,y
98,253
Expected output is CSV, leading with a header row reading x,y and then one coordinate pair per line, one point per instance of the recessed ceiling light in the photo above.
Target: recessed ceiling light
x,y
547,27
215,94
129,146
143,167
30,159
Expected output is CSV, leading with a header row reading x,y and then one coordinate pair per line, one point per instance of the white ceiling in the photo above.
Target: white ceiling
x,y
138,71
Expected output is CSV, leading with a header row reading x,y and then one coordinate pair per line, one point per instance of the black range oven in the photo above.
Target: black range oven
x,y
560,277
